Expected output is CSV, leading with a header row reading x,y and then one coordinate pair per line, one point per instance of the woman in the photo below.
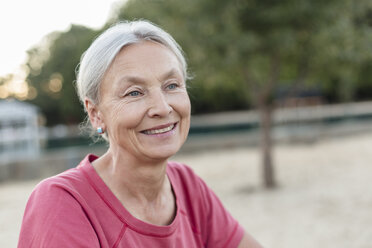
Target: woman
x,y
132,82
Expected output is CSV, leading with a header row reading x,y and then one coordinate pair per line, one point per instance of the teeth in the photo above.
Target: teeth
x,y
157,131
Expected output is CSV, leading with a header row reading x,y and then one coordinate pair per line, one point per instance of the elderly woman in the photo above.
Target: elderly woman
x,y
132,82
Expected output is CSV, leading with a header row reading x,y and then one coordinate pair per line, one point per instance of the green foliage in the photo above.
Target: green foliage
x,y
52,72
261,45
238,51
216,85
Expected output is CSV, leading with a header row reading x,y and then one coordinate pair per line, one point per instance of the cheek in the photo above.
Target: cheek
x,y
183,106
109,113
133,116
121,115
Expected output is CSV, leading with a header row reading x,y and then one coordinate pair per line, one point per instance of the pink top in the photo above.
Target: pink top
x,y
77,209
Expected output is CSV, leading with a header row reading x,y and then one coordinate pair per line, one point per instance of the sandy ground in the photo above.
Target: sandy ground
x,y
324,198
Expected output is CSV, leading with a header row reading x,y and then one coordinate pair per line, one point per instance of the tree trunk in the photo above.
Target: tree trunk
x,y
263,98
266,111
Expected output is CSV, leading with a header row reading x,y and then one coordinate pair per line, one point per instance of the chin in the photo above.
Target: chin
x,y
162,153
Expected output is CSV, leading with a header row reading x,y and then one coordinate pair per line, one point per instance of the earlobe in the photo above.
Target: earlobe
x,y
94,114
100,130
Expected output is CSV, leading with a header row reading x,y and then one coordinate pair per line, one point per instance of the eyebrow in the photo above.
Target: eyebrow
x,y
139,80
173,72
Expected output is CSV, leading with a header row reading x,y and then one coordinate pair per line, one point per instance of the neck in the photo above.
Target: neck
x,y
129,178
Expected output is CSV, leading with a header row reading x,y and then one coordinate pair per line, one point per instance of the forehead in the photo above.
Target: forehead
x,y
145,58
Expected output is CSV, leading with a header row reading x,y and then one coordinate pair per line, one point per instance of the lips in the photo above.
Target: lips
x,y
160,129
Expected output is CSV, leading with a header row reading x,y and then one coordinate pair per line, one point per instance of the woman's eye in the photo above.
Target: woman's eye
x,y
172,86
134,93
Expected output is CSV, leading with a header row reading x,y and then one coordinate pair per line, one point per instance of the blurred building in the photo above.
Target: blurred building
x,y
19,133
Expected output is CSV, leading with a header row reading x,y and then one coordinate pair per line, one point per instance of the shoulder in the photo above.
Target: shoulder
x,y
56,212
69,187
54,197
69,181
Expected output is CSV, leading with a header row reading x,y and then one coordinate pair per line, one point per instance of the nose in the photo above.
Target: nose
x,y
159,105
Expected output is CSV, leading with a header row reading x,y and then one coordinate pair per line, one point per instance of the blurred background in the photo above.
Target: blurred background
x,y
281,107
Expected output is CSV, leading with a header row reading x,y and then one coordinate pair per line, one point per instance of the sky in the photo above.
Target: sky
x,y
23,23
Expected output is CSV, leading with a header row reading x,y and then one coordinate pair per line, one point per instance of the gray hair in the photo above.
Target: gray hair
x,y
97,59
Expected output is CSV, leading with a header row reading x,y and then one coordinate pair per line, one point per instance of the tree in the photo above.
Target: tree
x,y
4,82
286,47
241,51
265,45
216,86
299,42
349,77
51,67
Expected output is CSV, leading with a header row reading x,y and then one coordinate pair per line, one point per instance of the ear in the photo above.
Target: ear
x,y
95,115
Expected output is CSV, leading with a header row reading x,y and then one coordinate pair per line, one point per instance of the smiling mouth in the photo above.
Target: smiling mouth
x,y
160,130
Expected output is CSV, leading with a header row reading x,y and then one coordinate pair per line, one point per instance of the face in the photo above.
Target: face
x,y
144,106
